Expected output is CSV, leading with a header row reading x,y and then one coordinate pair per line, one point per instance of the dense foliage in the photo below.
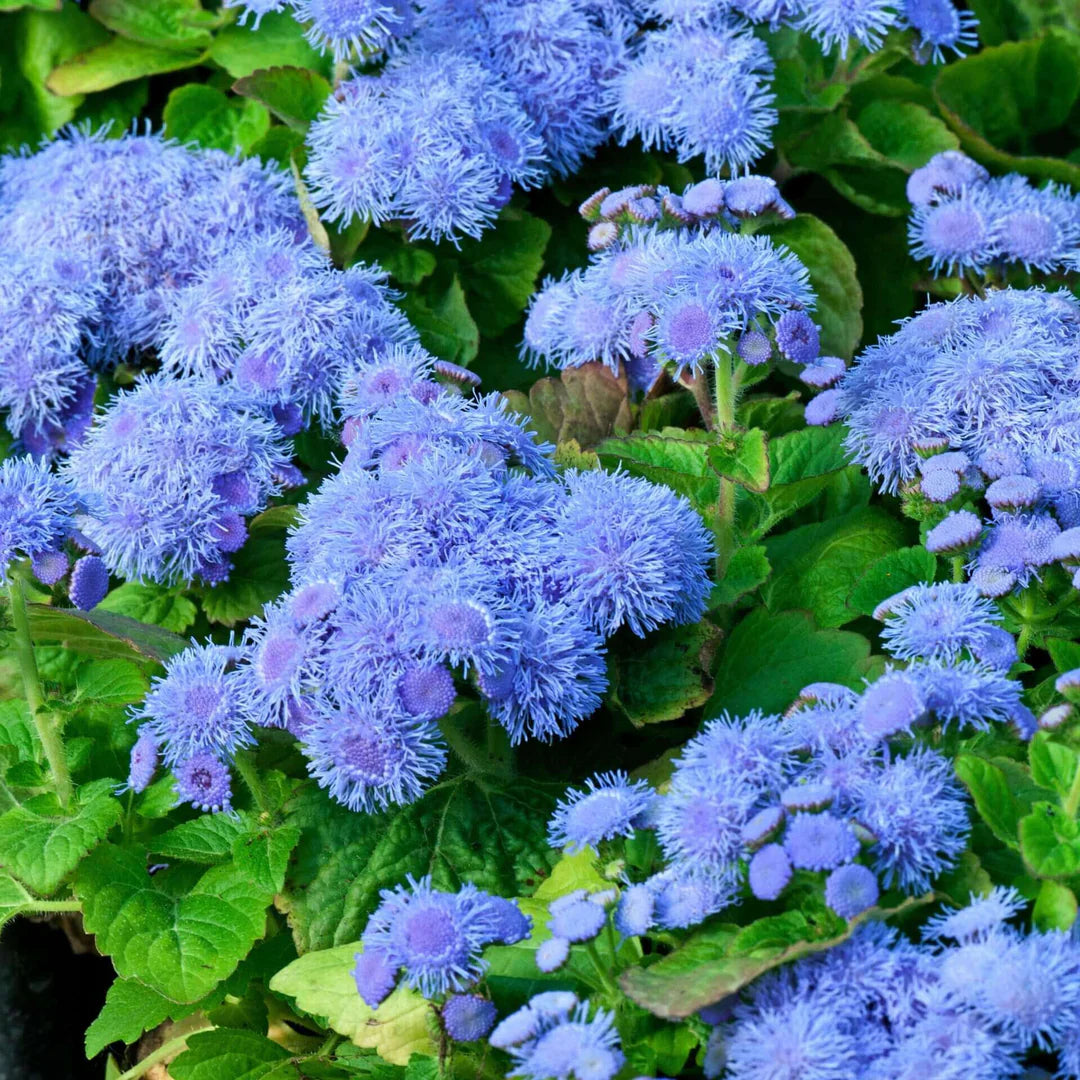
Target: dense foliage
x,y
541,538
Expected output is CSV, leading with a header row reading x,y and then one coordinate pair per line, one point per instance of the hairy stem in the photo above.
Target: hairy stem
x,y
1072,800
958,569
166,1049
44,721
602,972
725,392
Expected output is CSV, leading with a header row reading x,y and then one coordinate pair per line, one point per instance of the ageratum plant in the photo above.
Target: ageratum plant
x,y
539,539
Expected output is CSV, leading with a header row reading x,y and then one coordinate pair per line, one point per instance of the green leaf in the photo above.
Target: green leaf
x,y
41,845
905,133
666,675
499,271
111,682
102,633
748,569
279,42
1055,907
1053,765
720,960
117,61
814,565
1049,842
171,24
741,456
1002,98
832,275
206,839
263,854
678,459
459,831
586,404
156,604
407,263
259,574
14,899
295,95
802,465
130,1009
322,985
199,115
180,945
17,730
37,42
444,323
890,574
232,1054
989,789
770,657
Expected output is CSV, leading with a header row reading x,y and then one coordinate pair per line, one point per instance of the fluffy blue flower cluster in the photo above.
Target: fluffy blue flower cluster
x,y
444,548
753,800
168,474
941,26
554,1035
347,28
482,97
654,295
976,400
435,139
435,940
963,220
697,87
273,318
97,234
36,511
971,1001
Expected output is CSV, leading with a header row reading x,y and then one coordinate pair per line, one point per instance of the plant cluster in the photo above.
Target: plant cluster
x,y
701,705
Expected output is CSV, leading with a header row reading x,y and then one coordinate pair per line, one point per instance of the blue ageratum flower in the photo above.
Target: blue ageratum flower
x,y
369,753
435,139
554,55
918,815
436,938
632,553
607,807
550,1038
194,706
280,664
36,509
555,677
169,473
696,90
99,234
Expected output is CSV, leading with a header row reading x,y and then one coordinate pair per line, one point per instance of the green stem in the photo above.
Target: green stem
x,y
47,907
468,752
1023,641
698,385
160,1054
977,285
725,393
958,569
1072,800
44,721
606,981
244,760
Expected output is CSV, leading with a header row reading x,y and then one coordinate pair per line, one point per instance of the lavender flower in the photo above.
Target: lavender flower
x,y
606,808
36,509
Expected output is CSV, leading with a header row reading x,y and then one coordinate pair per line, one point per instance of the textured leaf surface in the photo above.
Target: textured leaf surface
x,y
102,633
181,946
586,403
233,1054
460,831
278,42
117,61
718,961
886,577
769,658
668,674
111,682
41,846
171,24
154,604
322,985
816,566
294,95
203,116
